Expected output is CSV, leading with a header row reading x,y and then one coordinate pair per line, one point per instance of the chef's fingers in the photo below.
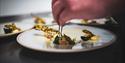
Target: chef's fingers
x,y
53,1
56,10
65,16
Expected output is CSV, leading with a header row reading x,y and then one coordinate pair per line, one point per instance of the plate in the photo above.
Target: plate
x,y
99,21
22,26
34,39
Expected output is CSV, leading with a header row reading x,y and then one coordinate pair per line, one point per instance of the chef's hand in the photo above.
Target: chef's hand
x,y
64,10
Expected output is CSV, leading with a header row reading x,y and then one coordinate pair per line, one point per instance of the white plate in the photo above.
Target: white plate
x,y
22,26
98,21
35,40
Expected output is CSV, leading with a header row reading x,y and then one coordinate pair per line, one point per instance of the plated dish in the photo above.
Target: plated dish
x,y
45,19
75,38
100,21
8,29
12,28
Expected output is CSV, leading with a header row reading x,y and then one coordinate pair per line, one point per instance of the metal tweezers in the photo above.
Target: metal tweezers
x,y
60,30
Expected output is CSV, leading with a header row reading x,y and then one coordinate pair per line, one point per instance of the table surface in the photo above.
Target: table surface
x,y
12,52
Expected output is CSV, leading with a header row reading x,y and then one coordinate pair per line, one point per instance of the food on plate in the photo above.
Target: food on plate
x,y
95,21
63,42
37,26
89,38
39,20
48,32
95,38
84,21
11,28
87,35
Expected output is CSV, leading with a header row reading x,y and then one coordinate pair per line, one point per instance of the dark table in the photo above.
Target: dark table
x,y
12,52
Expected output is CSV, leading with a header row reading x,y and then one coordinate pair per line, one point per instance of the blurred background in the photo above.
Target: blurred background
x,y
19,7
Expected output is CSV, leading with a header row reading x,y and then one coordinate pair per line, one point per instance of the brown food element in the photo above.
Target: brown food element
x,y
39,20
63,42
49,32
89,36
37,27
84,21
11,28
95,38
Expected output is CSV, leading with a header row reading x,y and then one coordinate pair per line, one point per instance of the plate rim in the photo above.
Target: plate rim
x,y
69,50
